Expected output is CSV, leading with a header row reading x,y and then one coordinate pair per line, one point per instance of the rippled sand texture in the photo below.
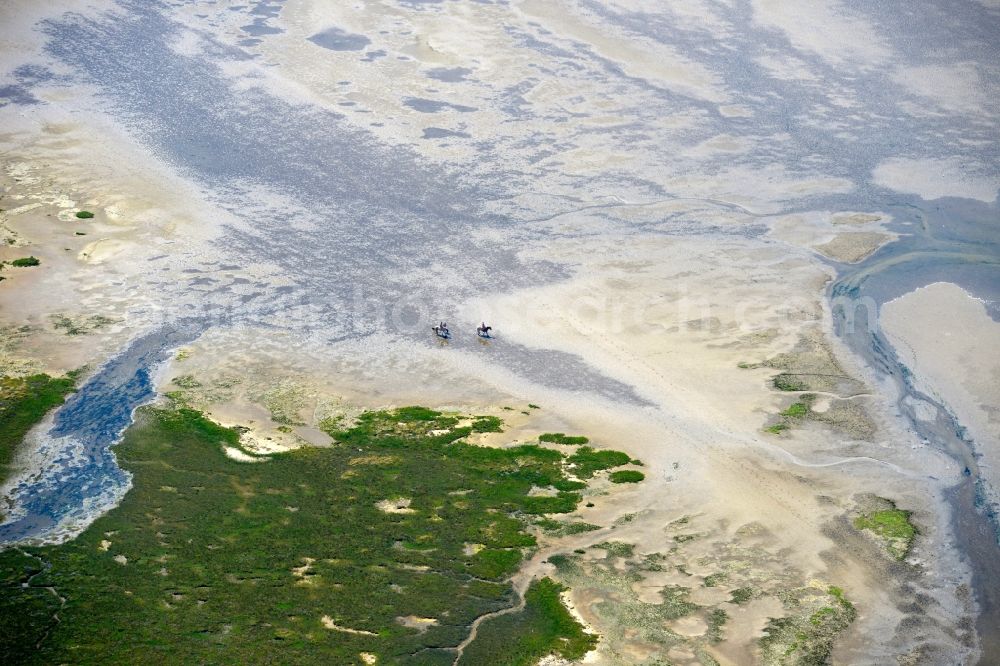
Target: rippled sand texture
x,y
646,200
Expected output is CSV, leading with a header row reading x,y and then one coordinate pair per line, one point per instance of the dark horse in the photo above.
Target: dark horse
x,y
441,330
484,331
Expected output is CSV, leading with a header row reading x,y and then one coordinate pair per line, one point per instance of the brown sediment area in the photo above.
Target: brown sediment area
x,y
852,247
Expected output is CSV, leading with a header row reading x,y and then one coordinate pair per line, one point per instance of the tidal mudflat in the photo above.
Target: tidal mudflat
x,y
741,264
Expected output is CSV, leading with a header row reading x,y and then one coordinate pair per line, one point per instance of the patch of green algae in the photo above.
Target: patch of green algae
x,y
892,527
805,637
310,557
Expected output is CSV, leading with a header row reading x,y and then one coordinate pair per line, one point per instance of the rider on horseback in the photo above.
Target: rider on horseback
x,y
441,330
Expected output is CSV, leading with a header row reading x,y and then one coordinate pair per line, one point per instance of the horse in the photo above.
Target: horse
x,y
483,330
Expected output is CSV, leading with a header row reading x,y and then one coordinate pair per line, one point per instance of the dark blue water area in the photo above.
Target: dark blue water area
x,y
82,473
260,28
449,74
442,133
23,80
336,39
981,279
946,240
424,105
17,94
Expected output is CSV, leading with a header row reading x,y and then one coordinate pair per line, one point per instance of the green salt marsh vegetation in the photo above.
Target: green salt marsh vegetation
x,y
562,438
79,325
487,424
586,461
626,476
891,526
789,382
799,409
564,528
319,555
545,627
847,416
24,401
806,638
22,262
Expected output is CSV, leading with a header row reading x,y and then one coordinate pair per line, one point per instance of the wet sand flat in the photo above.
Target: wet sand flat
x,y
952,346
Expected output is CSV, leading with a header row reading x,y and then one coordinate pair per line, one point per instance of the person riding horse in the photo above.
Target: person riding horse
x,y
484,331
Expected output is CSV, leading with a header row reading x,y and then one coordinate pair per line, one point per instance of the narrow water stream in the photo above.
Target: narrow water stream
x,y
76,477
945,246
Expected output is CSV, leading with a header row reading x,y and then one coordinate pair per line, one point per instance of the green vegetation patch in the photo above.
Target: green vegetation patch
x,y
848,416
562,438
617,548
794,413
717,618
544,627
676,602
410,414
487,424
186,382
310,557
564,528
796,410
24,401
25,262
789,382
587,461
621,611
626,476
84,214
628,617
715,579
286,400
806,638
893,527
81,325
811,366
